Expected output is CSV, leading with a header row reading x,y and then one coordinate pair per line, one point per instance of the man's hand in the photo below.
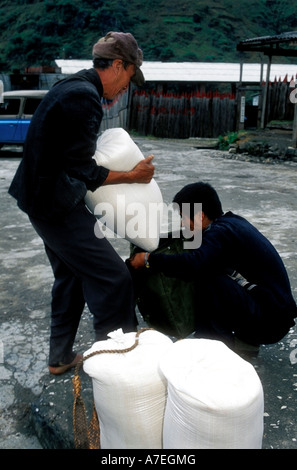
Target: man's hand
x,y
137,260
143,172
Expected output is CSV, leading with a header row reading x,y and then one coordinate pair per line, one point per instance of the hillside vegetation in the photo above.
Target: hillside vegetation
x,y
36,32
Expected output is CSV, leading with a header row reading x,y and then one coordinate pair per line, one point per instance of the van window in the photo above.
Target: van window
x,y
31,105
10,107
15,114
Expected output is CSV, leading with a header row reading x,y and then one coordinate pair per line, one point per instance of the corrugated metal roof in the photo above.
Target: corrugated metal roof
x,y
290,36
215,72
73,66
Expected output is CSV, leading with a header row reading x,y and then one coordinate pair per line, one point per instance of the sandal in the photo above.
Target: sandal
x,y
57,370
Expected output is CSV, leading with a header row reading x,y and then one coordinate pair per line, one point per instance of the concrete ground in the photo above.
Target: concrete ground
x,y
36,408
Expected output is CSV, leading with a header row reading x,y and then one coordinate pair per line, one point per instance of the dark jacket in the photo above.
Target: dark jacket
x,y
229,244
57,167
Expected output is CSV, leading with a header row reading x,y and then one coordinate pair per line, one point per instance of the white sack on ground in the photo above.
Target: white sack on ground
x,y
215,398
132,211
129,390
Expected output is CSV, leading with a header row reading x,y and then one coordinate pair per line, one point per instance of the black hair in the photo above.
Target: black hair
x,y
202,193
103,64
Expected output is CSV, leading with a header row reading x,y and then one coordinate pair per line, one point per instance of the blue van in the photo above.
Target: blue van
x,y
16,110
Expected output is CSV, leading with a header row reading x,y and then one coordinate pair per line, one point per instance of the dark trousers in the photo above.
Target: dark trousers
x,y
226,309
86,270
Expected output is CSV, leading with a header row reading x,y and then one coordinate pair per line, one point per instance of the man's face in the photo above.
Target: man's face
x,y
119,79
195,225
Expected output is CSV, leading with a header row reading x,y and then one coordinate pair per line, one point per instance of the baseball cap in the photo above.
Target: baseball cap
x,y
121,46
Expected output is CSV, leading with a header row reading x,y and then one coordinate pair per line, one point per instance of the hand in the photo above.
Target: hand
x,y
143,172
137,260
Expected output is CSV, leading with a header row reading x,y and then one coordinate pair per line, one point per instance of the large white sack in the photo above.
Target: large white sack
x,y
129,390
215,398
132,211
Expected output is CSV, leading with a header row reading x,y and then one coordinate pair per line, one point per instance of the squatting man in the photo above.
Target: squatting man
x,y
243,294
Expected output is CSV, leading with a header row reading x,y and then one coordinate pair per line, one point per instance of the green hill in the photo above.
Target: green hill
x,y
38,32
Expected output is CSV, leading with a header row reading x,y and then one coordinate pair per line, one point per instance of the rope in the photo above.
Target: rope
x,y
88,437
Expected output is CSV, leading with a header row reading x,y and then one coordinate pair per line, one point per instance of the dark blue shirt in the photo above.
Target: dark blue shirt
x,y
229,244
57,167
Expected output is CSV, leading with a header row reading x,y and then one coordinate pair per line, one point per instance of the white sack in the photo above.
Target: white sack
x,y
130,208
129,390
215,398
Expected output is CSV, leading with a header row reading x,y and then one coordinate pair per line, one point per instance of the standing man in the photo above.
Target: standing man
x,y
51,182
243,294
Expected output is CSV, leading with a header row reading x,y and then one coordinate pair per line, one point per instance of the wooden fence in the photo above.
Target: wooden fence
x,y
115,112
197,114
279,106
182,115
